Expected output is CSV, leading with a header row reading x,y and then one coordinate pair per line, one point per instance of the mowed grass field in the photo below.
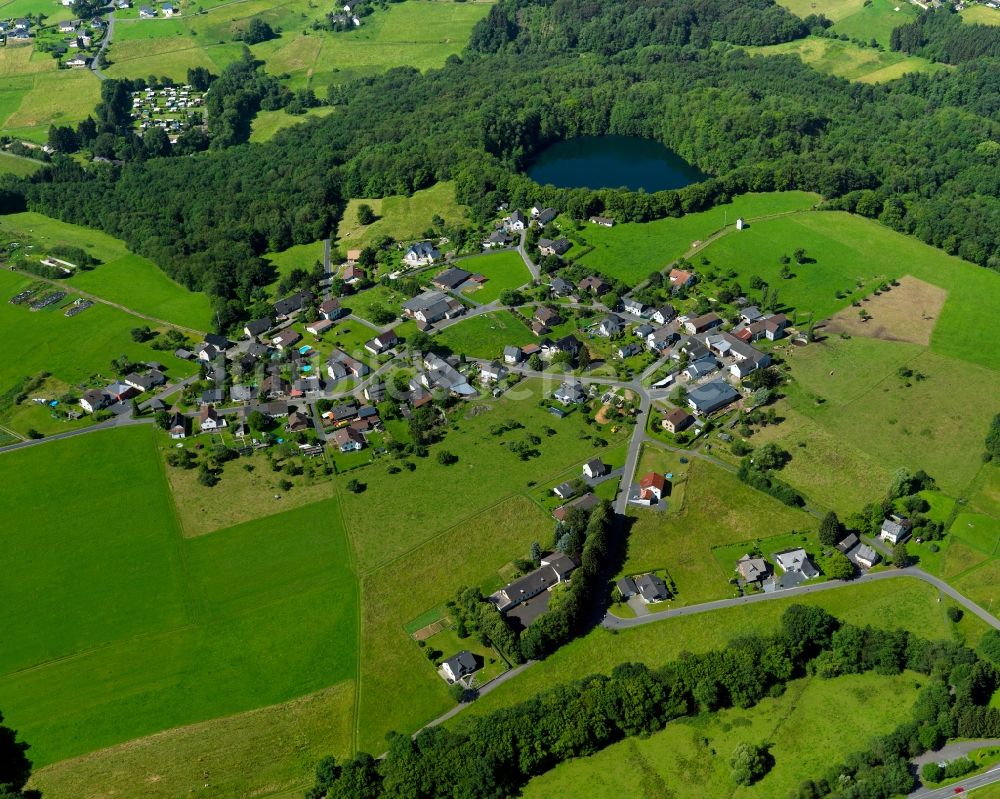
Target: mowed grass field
x,y
486,335
632,250
418,33
403,218
299,256
122,276
74,349
716,510
268,123
690,757
856,18
17,165
116,627
504,270
849,60
981,15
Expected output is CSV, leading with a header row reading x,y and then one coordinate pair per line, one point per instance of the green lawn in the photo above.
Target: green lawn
x,y
362,303
77,350
18,166
981,15
122,277
117,628
486,335
875,20
690,757
505,270
403,218
631,251
30,103
267,123
716,510
299,256
849,60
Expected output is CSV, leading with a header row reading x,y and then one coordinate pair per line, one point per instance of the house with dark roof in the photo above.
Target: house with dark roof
x,y
209,420
286,338
458,666
664,314
564,490
626,588
258,327
382,342
331,309
635,307
711,396
752,570
895,529
554,569
289,305
651,588
545,215
702,323
512,355
585,502
560,287
676,419
796,561
570,392
594,284
553,246
421,253
347,439
595,467
451,278
94,400
340,365
610,326
603,221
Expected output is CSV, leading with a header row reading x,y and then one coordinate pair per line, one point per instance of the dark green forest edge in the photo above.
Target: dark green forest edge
x,y
494,756
921,154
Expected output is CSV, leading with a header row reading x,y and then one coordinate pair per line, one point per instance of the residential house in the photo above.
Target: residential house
x,y
146,12
560,287
274,386
68,26
183,354
659,340
752,570
207,352
594,468
340,365
628,350
712,396
286,338
676,419
603,221
701,367
443,376
586,503
643,330
382,342
702,323
568,344
848,543
664,314
305,386
564,490
289,305
119,391
347,439
651,588
241,393
553,246
498,238
515,222
547,316
451,278
865,557
258,327
458,666
512,355
493,372
331,309
652,486
895,529
94,400
553,570
433,306
319,327
611,326
168,10
594,284
635,307
544,215
178,424
297,422
353,256
680,278
374,392
352,274
626,588
796,561
213,395
209,420
274,409
774,327
421,253
571,392
750,313
145,382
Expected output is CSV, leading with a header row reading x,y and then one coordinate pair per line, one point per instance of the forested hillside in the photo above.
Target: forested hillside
x,y
922,154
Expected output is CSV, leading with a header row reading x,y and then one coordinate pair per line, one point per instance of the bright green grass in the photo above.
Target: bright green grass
x,y
979,531
122,277
128,30
981,15
876,20
18,166
385,296
132,629
867,405
402,218
74,349
847,248
631,251
486,335
831,9
267,123
849,60
717,510
505,270
690,757
299,256
439,496
902,602
65,97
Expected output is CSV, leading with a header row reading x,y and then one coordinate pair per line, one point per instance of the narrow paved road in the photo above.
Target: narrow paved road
x,y
959,788
523,252
614,623
950,752
104,46
119,421
170,390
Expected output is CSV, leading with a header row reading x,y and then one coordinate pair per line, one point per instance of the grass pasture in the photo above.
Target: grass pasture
x,y
486,335
133,630
267,123
298,256
17,165
505,270
632,250
403,218
122,276
981,15
690,756
31,101
849,60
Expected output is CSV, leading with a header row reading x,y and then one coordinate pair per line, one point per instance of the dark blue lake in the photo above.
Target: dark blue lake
x,y
609,162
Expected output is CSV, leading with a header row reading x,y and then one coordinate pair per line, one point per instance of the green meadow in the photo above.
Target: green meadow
x,y
504,270
299,256
133,629
981,15
858,19
122,276
632,250
268,123
486,335
690,757
76,350
17,165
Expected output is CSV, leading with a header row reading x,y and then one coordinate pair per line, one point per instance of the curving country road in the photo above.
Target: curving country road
x,y
104,46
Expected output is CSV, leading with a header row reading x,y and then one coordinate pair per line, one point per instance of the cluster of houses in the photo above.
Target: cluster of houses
x,y
421,253
81,36
649,588
115,397
16,29
347,16
511,226
166,9
794,565
432,307
170,108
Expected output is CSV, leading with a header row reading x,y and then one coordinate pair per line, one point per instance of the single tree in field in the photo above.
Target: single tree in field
x,y
365,214
900,556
